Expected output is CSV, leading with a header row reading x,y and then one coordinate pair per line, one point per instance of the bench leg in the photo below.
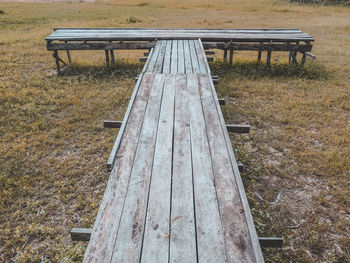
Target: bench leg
x,y
55,55
112,57
231,58
107,58
268,58
303,60
225,54
69,57
259,55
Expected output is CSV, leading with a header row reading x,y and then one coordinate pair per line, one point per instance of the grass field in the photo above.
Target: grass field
x,y
53,148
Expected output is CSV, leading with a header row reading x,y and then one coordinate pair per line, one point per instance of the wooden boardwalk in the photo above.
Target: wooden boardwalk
x,y
175,193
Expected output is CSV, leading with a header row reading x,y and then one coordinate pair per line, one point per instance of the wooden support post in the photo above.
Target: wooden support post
x,y
238,128
222,101
112,57
231,58
271,241
210,59
142,59
215,80
225,54
146,54
259,53
240,166
294,58
68,55
107,58
112,124
55,55
303,59
268,58
80,234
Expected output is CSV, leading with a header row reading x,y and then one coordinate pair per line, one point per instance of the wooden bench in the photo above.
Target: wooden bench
x,y
175,193
110,39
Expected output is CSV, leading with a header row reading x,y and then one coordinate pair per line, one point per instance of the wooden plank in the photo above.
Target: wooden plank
x,y
112,124
183,232
157,228
245,206
180,57
238,246
271,241
167,57
173,67
146,45
117,142
160,60
194,58
128,242
201,57
210,240
106,225
187,54
238,128
80,234
153,59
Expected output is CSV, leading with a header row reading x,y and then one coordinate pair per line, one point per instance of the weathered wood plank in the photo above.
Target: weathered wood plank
x,y
80,234
237,239
210,240
174,60
180,57
167,57
194,58
128,242
188,63
157,228
112,124
160,60
183,232
153,59
106,225
244,202
238,128
201,57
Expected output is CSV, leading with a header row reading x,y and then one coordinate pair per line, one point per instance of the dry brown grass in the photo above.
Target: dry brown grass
x,y
53,147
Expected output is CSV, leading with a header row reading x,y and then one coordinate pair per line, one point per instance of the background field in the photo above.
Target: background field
x,y
53,147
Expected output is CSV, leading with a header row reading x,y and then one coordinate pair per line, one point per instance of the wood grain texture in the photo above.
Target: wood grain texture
x,y
210,237
157,228
128,242
183,232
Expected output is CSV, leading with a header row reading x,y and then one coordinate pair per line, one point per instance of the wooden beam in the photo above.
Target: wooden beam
x,y
222,101
310,55
83,234
238,128
240,166
112,124
80,234
271,241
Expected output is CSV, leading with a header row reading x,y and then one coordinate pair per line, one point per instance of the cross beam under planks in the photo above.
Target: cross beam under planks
x,y
174,193
262,40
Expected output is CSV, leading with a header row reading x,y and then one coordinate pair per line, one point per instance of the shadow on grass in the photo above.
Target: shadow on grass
x,y
120,70
257,70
